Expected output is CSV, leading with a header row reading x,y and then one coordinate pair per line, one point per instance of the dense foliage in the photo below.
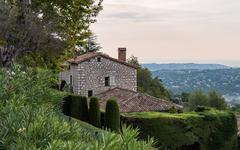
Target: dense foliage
x,y
216,100
147,83
112,115
94,112
199,98
211,129
30,118
44,32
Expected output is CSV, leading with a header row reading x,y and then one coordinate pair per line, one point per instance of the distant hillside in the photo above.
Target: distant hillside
x,y
226,81
187,66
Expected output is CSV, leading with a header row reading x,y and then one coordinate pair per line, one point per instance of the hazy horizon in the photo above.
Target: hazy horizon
x,y
179,31
226,63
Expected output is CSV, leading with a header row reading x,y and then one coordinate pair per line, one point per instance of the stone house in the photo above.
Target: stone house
x,y
97,74
94,73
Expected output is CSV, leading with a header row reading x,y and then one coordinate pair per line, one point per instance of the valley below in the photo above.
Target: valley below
x,y
225,80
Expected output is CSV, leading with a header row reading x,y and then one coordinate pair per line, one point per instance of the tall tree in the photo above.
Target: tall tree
x,y
91,44
197,98
147,83
41,25
216,100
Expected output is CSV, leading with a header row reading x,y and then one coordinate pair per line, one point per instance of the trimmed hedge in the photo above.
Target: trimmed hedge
x,y
76,106
94,112
212,130
112,115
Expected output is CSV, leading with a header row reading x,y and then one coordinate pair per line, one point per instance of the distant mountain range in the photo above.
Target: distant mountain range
x,y
184,66
180,78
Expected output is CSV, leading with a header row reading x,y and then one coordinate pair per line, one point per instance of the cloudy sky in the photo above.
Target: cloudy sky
x,y
161,31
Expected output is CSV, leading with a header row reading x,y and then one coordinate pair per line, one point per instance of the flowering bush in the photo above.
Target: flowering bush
x,y
30,118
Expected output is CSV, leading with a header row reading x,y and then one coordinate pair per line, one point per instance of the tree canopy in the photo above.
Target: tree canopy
x,y
147,83
199,98
46,29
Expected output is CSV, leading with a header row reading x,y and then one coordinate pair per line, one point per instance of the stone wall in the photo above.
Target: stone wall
x,y
72,71
90,75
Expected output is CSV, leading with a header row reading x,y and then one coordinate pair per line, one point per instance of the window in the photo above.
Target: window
x,y
71,80
90,93
99,59
107,81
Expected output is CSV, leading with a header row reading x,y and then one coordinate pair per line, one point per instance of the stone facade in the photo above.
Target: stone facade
x,y
99,74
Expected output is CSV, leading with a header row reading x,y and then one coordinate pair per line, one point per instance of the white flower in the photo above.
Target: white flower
x,y
21,130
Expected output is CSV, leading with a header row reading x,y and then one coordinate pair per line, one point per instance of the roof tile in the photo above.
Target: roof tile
x,y
130,101
91,55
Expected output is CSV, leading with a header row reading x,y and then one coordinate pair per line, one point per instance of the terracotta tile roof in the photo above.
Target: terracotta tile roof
x,y
91,55
130,101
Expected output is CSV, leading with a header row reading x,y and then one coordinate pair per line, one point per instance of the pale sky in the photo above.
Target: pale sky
x,y
162,31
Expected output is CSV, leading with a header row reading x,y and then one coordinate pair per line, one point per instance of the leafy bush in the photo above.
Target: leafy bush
x,y
30,118
112,115
94,112
173,109
213,130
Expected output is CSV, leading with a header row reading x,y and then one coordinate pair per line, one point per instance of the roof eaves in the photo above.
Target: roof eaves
x,y
105,56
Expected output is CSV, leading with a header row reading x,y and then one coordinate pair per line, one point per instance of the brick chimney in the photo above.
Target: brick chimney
x,y
122,54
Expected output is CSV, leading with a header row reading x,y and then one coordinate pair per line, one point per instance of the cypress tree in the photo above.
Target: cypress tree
x,y
75,105
94,112
79,107
83,109
112,115
66,105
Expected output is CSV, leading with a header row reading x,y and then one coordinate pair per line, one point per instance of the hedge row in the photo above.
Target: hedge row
x,y
77,106
208,130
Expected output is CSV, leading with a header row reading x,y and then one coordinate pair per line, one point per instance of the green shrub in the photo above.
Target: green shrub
x,y
201,108
112,115
94,112
29,119
173,109
212,130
